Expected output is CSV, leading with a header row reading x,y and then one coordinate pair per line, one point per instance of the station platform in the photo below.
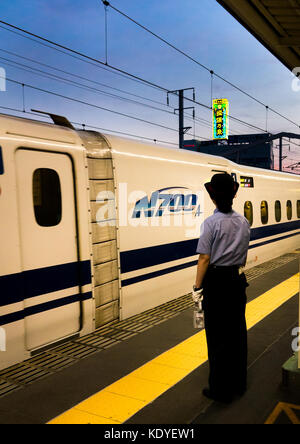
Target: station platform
x,y
151,369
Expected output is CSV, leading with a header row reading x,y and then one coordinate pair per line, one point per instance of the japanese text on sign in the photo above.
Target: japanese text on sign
x,y
220,119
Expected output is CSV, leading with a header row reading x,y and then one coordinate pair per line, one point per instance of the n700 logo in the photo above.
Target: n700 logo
x,y
168,207
163,202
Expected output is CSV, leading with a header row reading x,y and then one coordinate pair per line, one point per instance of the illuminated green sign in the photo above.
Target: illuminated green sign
x,y
220,119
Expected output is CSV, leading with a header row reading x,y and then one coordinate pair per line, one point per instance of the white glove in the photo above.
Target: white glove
x,y
197,296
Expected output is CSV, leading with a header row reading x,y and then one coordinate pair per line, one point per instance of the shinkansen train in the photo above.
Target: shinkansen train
x,y
96,228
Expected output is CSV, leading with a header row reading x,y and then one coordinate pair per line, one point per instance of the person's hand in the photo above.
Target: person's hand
x,y
197,295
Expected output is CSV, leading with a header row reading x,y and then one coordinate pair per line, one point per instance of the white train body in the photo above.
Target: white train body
x,y
95,228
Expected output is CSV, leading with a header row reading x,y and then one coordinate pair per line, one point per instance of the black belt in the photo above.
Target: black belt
x,y
229,268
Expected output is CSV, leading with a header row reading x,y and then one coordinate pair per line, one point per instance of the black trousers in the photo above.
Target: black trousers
x,y
224,307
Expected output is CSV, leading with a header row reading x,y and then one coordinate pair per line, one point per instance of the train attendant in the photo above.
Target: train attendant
x,y
223,249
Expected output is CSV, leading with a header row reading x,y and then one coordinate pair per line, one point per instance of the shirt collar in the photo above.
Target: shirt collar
x,y
218,211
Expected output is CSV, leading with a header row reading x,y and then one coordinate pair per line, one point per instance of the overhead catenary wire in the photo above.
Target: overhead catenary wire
x,y
125,134
108,4
81,77
82,102
161,88
125,74
83,57
82,86
42,73
30,69
86,125
203,122
73,83
77,55
88,104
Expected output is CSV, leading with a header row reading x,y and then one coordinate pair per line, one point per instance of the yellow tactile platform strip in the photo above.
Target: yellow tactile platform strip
x,y
62,356
67,354
124,398
291,414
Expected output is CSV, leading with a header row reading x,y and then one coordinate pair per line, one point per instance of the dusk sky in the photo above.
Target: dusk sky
x,y
201,28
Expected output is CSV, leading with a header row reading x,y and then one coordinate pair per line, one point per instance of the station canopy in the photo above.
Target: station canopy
x,y
275,23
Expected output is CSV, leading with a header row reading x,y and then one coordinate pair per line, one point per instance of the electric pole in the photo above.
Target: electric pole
x,y
182,129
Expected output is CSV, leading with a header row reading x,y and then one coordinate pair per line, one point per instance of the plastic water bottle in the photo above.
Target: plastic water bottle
x,y
199,316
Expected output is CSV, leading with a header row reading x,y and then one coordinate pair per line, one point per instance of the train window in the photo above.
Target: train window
x,y
248,212
264,212
47,202
298,209
289,210
278,211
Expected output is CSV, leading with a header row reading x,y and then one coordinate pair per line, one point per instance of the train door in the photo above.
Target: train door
x,y
49,253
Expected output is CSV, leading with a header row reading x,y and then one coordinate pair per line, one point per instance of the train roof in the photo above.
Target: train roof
x,y
24,127
136,148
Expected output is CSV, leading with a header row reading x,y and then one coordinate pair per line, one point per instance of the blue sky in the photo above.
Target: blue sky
x,y
202,28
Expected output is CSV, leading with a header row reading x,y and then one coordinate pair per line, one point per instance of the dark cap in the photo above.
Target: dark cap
x,y
223,186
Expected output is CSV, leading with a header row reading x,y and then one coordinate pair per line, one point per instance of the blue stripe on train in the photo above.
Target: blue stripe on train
x,y
273,230
148,257
270,241
14,288
152,256
29,311
28,284
145,277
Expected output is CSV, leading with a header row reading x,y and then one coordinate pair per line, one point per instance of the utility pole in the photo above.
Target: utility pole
x,y
280,146
181,119
280,154
182,129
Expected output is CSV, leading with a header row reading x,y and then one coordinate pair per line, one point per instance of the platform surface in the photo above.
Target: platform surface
x,y
152,368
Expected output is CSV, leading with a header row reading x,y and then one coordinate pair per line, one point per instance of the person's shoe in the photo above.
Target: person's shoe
x,y
218,398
